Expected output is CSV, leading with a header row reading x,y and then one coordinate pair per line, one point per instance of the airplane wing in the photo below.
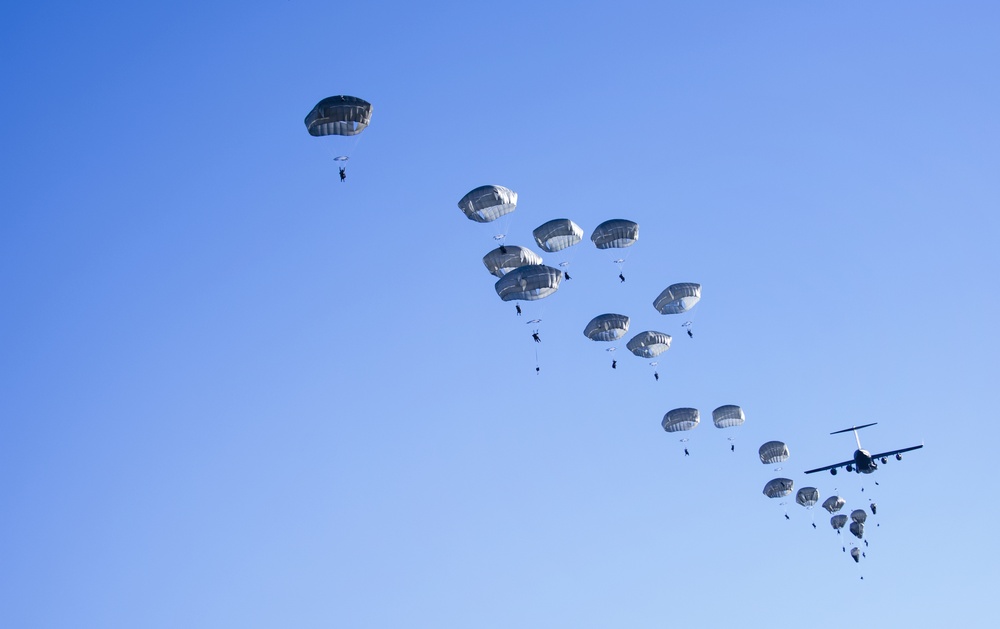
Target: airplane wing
x,y
892,452
830,467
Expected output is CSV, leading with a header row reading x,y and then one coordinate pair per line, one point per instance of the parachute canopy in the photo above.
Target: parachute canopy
x,y
678,298
606,327
649,344
838,521
773,452
857,529
807,496
557,234
859,515
615,234
488,203
528,283
728,416
680,419
339,115
778,488
834,504
499,263
856,554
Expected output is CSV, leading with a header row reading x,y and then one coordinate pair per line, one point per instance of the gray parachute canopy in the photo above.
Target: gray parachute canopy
x,y
778,488
488,203
680,419
834,504
859,515
649,344
557,234
499,263
678,298
615,234
606,327
339,115
728,416
807,496
857,529
528,283
838,521
773,452
856,554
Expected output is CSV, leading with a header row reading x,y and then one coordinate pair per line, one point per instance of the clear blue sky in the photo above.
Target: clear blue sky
x,y
235,392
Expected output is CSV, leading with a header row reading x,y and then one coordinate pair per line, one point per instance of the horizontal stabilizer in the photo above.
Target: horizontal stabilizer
x,y
853,428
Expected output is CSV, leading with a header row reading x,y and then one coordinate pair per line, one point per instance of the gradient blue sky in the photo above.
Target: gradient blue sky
x,y
237,393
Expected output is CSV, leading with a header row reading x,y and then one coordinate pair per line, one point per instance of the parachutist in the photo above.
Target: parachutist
x,y
621,276
690,333
786,517
874,507
732,448
614,364
814,525
538,370
566,273
518,306
656,375
534,335
503,249
343,173
686,453
866,542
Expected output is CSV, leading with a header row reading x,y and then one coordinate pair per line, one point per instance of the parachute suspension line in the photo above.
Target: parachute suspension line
x,y
505,223
620,260
567,259
340,153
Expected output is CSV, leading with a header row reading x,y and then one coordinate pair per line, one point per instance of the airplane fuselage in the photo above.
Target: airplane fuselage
x,y
863,462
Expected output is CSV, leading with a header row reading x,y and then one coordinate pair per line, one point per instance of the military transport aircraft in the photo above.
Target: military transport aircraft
x,y
864,461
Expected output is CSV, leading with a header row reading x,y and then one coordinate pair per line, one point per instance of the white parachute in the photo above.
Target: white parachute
x,y
680,419
488,203
773,452
778,487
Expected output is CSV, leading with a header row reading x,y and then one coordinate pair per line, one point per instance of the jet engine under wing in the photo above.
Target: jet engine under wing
x,y
830,467
892,452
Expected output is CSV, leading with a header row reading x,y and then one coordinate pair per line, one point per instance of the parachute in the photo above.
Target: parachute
x,y
859,516
838,521
649,344
557,234
680,419
615,234
606,327
857,529
773,452
856,554
678,298
778,488
499,263
339,115
528,283
807,496
488,203
728,416
834,504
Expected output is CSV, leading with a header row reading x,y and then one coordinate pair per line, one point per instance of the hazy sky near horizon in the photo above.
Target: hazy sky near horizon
x,y
235,392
